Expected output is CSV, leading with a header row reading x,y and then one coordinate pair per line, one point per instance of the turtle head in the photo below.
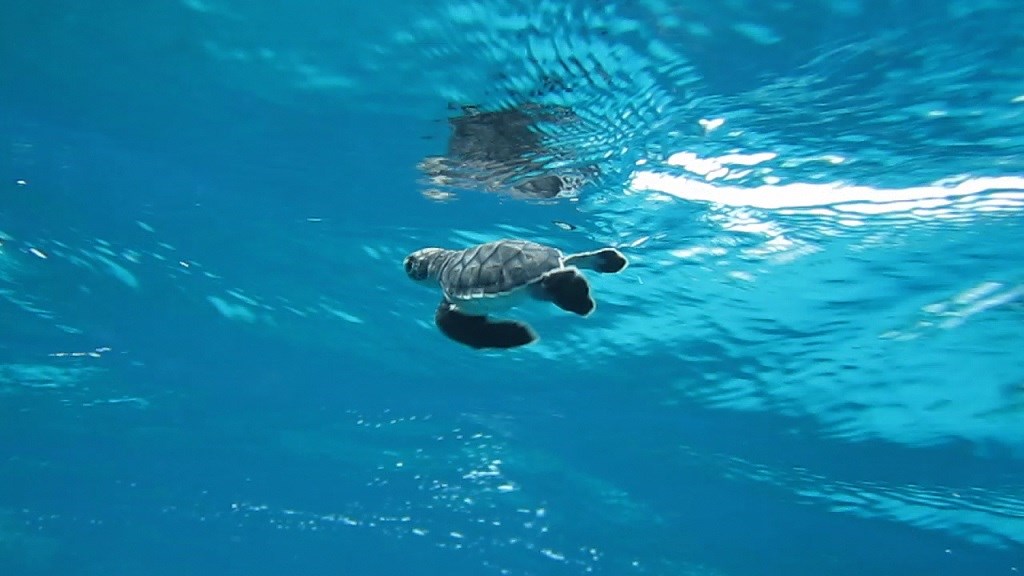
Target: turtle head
x,y
423,263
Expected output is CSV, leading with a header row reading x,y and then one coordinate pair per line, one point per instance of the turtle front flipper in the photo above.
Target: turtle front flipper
x,y
568,289
480,331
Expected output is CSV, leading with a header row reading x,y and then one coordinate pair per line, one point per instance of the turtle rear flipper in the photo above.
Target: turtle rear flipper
x,y
605,260
480,331
568,289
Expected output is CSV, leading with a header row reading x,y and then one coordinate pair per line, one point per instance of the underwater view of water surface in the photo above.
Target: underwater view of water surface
x,y
214,359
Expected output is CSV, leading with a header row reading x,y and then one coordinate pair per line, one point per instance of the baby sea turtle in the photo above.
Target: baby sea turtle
x,y
495,276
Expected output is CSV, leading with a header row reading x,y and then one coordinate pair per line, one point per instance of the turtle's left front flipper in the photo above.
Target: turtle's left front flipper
x,y
568,289
480,331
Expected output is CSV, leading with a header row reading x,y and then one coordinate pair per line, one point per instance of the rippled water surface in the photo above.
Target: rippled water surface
x,y
212,361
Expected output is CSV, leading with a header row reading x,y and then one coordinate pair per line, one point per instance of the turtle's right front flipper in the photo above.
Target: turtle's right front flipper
x,y
480,331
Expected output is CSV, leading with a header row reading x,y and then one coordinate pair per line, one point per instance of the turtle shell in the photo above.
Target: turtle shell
x,y
496,268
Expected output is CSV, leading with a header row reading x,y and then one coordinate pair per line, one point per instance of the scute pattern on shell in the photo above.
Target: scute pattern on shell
x,y
496,267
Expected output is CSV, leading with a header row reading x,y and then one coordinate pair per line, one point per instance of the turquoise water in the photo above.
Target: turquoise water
x,y
212,362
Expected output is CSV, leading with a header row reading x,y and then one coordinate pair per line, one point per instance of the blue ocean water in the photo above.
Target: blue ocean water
x,y
212,362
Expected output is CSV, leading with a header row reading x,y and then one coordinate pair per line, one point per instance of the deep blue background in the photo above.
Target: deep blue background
x,y
201,444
